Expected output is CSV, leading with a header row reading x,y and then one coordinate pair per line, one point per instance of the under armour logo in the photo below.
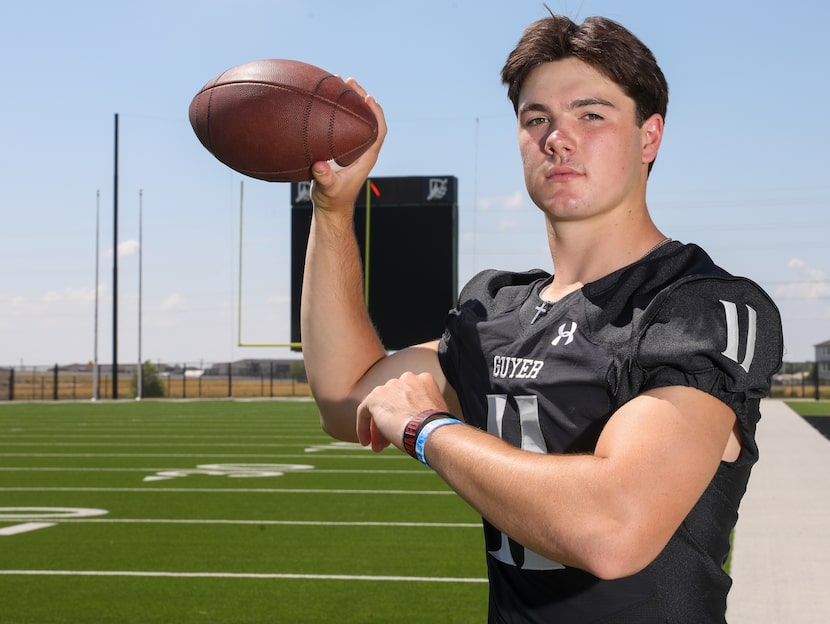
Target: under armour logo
x,y
567,334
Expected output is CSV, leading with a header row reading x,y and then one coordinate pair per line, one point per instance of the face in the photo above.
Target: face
x,y
582,151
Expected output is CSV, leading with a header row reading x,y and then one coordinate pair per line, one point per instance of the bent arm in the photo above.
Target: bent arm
x,y
339,342
343,355
610,512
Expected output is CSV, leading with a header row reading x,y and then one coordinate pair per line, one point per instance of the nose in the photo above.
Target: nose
x,y
559,141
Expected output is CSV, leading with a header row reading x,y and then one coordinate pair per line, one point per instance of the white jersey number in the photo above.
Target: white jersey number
x,y
532,441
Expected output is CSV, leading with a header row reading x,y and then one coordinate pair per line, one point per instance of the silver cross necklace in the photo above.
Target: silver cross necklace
x,y
541,309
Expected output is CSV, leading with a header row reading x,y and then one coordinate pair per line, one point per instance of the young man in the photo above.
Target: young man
x,y
609,410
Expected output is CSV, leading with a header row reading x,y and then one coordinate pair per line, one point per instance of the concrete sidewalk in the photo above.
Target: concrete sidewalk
x,y
781,551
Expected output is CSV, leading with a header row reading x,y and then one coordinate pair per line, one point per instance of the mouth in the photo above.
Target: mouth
x,y
562,173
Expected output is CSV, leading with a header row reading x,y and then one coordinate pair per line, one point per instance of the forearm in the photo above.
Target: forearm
x,y
610,512
339,342
568,508
560,506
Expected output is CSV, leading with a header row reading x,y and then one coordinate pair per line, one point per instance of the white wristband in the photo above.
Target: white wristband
x,y
431,426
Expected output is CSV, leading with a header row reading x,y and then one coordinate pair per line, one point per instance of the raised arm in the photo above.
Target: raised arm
x,y
344,357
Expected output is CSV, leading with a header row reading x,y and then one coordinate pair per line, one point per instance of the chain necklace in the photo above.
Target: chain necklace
x,y
656,247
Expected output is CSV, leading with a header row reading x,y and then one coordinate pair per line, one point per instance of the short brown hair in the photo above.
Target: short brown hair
x,y
600,42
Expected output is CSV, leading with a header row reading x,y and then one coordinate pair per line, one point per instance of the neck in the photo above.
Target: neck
x,y
583,253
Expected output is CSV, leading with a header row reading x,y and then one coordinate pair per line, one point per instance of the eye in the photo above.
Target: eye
x,y
535,121
592,117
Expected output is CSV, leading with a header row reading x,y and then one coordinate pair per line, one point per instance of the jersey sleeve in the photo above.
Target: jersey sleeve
x,y
720,335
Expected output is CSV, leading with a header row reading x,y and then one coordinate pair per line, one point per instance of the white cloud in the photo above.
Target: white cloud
x,y
810,283
126,249
514,201
68,295
506,225
173,302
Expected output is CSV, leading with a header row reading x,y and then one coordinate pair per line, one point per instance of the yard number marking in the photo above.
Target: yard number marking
x,y
236,471
32,518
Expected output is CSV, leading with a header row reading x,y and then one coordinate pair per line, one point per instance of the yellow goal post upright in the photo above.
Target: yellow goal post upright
x,y
239,315
407,232
290,344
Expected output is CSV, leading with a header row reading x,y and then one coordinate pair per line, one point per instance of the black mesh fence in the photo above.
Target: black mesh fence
x,y
242,379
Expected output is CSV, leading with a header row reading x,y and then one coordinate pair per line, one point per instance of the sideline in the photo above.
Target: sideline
x,y
781,555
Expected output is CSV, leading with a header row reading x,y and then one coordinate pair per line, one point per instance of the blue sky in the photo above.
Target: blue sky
x,y
742,170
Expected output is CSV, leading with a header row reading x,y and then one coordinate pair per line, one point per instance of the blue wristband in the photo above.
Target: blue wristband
x,y
431,426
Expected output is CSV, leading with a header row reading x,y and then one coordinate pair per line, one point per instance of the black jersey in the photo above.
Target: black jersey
x,y
547,377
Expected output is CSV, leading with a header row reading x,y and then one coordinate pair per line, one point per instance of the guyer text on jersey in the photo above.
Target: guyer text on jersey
x,y
508,367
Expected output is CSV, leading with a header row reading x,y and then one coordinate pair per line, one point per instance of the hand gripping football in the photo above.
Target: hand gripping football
x,y
273,119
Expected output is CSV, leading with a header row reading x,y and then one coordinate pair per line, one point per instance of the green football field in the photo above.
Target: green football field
x,y
222,512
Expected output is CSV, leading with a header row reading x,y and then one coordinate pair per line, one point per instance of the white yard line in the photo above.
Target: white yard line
x,y
162,490
427,525
63,469
307,456
236,575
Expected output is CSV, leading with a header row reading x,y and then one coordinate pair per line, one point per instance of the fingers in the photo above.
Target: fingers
x,y
372,153
378,441
368,432
336,188
364,424
383,414
372,103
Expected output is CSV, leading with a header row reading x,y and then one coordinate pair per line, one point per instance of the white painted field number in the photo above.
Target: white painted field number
x,y
235,471
34,518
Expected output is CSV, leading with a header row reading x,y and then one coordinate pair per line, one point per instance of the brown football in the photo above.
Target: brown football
x,y
273,119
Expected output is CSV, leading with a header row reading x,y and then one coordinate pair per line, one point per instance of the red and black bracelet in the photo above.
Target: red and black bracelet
x,y
416,424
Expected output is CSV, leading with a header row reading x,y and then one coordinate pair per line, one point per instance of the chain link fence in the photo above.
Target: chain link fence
x,y
241,379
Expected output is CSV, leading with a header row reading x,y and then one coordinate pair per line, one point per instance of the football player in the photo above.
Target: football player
x,y
601,418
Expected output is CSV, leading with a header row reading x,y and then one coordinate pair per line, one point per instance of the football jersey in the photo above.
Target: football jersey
x,y
546,377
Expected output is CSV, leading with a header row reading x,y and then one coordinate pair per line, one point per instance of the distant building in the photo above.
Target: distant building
x,y
279,369
823,361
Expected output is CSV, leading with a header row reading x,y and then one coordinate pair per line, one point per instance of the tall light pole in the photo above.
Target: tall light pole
x,y
97,255
139,389
115,270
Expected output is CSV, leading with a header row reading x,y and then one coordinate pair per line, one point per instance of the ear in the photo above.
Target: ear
x,y
652,134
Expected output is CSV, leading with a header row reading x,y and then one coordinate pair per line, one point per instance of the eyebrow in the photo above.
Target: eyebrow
x,y
575,104
590,101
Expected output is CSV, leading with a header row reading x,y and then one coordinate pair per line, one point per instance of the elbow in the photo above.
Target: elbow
x,y
621,553
338,422
605,549
610,567
336,430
